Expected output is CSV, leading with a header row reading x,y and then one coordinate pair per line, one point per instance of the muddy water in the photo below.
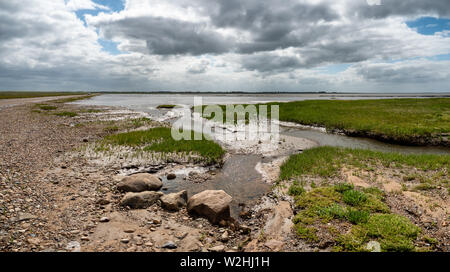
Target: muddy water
x,y
237,177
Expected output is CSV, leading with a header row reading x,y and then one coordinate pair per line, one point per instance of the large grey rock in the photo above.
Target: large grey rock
x,y
140,200
174,201
212,204
140,183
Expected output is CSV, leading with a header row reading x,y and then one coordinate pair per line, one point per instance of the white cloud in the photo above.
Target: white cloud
x,y
221,45
84,4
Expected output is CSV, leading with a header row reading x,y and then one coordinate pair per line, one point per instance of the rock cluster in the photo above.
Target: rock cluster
x,y
141,193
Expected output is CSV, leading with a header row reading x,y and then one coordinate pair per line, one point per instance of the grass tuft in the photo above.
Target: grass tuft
x,y
67,114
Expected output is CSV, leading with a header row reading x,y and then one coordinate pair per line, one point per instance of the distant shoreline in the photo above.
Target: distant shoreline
x,y
337,94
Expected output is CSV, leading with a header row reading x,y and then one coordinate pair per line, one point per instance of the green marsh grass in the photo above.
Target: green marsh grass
x,y
160,140
322,205
327,161
67,114
395,118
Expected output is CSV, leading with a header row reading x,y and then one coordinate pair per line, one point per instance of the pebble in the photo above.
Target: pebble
x,y
104,219
219,248
169,245
73,246
224,237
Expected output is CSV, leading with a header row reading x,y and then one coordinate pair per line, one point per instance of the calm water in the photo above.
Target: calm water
x,y
148,103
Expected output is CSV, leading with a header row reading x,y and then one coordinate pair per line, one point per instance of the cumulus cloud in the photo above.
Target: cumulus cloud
x,y
227,44
84,4
198,68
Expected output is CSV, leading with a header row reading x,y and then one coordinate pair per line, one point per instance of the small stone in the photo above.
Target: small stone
x,y
274,245
125,240
224,237
104,219
103,201
129,230
219,248
373,246
169,245
34,241
245,229
24,217
181,235
84,238
73,246
149,244
171,176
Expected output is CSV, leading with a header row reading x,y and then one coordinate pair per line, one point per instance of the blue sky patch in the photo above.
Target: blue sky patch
x,y
114,5
429,25
109,46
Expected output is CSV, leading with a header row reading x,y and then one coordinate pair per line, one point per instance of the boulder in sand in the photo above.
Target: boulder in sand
x,y
174,201
212,204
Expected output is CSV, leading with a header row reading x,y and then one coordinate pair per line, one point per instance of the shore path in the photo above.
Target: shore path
x,y
6,103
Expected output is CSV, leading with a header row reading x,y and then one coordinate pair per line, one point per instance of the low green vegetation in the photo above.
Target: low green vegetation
x,y
66,114
166,106
394,233
355,216
73,99
11,95
159,139
391,119
327,161
46,107
369,216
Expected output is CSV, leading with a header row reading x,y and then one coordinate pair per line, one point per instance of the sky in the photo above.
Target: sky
x,y
225,45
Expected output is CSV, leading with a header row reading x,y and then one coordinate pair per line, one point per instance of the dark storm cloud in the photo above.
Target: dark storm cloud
x,y
267,62
336,48
271,26
169,37
401,7
13,27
